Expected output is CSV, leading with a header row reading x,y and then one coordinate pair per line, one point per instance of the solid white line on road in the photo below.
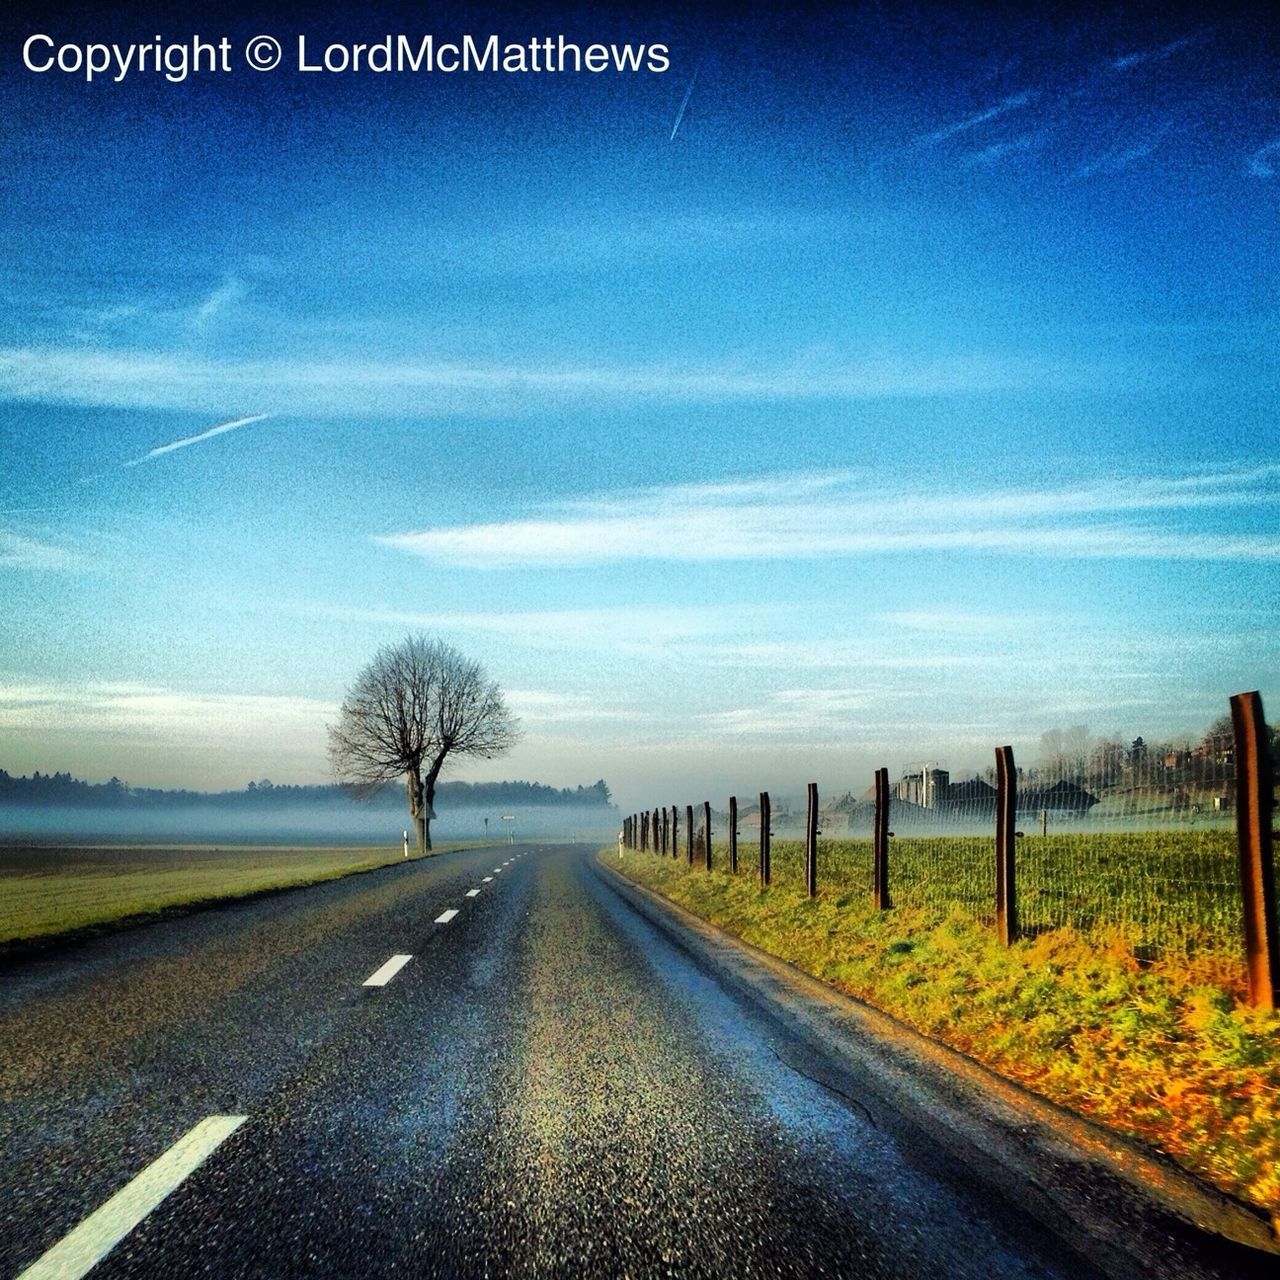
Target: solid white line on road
x,y
488,880
445,916
85,1246
382,976
473,893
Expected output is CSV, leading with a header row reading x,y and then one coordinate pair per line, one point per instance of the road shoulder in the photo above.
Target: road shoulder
x,y
1130,1209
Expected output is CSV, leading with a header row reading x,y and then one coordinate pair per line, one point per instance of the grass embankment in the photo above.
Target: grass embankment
x,y
48,892
1163,1051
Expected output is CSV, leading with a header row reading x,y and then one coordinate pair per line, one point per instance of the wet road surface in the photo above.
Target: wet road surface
x,y
548,1087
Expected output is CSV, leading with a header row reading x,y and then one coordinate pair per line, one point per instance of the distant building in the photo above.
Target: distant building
x,y
1061,798
928,788
840,816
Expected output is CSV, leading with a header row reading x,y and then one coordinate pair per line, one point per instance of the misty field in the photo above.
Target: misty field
x,y
52,890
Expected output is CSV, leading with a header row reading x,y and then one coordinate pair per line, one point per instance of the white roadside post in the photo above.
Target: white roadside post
x,y
406,844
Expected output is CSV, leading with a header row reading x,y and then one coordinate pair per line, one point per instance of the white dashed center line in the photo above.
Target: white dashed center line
x,y
445,916
497,871
85,1246
487,880
382,976
472,893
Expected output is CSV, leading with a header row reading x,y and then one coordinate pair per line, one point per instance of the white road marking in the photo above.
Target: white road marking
x,y
497,871
382,976
445,916
473,893
488,880
86,1245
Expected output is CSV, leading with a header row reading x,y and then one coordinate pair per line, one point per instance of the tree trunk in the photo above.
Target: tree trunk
x,y
428,803
417,810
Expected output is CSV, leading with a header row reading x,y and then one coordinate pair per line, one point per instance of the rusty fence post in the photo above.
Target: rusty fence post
x,y
706,822
1255,797
688,832
766,816
733,835
880,844
811,843
1006,846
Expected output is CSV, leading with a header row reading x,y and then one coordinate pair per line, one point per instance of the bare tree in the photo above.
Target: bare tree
x,y
417,703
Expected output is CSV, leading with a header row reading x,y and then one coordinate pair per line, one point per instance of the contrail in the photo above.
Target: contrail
x,y
204,435
685,101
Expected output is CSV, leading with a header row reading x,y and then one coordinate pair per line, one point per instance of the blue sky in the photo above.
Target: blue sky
x,y
917,396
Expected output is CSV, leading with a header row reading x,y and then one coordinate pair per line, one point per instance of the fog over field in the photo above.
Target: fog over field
x,y
294,824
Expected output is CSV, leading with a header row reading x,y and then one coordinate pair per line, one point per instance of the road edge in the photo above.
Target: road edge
x,y
1036,1153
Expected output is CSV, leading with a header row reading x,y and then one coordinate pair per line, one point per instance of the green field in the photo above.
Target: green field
x,y
1171,890
45,891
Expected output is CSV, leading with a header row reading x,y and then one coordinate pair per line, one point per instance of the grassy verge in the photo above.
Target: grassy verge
x,y
46,893
1164,1051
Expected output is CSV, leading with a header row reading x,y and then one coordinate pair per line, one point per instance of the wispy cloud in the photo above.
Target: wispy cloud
x,y
1014,102
131,379
1262,164
806,515
226,295
1158,53
792,713
17,551
135,709
1124,153
160,450
1001,151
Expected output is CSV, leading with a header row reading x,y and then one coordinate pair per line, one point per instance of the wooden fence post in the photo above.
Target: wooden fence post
x,y
733,835
1006,846
675,831
766,814
1255,788
706,822
811,843
880,844
688,831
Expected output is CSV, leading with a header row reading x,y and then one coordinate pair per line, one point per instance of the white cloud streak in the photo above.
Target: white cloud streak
x,y
801,516
1012,103
160,450
135,379
148,711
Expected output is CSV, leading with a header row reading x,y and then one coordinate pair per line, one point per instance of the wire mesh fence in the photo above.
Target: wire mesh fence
x,y
1133,839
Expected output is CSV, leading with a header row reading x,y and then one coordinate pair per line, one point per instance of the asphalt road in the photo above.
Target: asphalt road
x,y
548,1087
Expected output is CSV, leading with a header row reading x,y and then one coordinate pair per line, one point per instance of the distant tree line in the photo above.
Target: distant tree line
x,y
61,789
